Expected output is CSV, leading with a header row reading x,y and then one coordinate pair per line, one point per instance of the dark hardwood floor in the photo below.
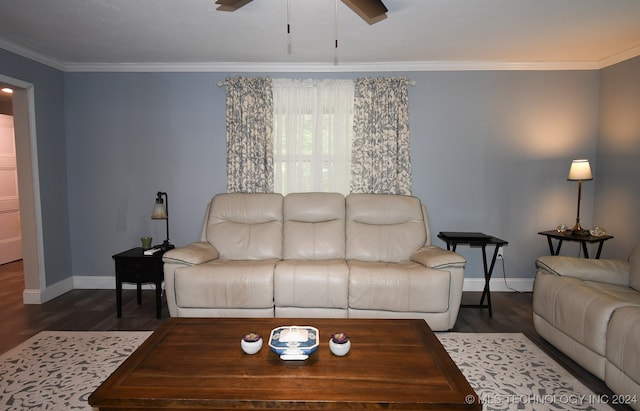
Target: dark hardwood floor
x,y
95,310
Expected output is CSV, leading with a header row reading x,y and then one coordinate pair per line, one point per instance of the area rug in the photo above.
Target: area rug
x,y
57,370
509,372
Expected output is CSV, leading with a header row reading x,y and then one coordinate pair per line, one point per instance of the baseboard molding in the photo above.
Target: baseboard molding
x,y
34,296
31,296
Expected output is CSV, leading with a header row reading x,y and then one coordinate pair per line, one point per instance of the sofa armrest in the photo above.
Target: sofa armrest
x,y
605,271
192,254
435,257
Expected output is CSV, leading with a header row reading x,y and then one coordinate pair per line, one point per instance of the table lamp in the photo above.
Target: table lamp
x,y
579,171
161,212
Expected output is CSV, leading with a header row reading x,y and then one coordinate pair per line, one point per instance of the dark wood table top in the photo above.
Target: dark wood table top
x,y
197,363
568,235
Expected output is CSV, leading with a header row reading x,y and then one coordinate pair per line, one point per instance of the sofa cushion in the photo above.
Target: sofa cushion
x,y
401,287
314,226
384,227
246,226
225,284
634,262
311,284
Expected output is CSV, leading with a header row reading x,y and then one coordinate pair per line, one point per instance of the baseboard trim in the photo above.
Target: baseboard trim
x,y
36,296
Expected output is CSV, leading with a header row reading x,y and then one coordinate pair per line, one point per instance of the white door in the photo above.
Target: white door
x,y
10,233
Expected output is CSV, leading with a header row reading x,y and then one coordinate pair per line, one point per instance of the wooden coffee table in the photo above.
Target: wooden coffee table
x,y
197,364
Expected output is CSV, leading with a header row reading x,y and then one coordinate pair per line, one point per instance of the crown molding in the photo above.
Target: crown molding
x,y
401,66
619,57
319,67
31,54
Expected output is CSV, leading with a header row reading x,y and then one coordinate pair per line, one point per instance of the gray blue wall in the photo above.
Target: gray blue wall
x,y
48,85
490,151
618,173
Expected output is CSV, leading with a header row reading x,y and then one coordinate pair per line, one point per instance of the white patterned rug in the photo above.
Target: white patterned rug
x,y
58,370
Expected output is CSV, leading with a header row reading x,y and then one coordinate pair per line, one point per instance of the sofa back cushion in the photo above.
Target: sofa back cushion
x,y
384,227
634,263
245,226
314,226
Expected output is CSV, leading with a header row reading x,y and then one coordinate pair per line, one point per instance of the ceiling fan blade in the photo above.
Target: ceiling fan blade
x,y
231,5
371,11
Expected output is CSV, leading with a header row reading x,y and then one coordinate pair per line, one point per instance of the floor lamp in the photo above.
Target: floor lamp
x,y
580,171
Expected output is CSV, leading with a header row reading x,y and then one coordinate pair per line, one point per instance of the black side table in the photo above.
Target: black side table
x,y
569,236
132,266
453,238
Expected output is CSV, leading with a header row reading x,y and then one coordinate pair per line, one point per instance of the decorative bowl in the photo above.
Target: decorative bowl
x,y
294,342
339,344
251,343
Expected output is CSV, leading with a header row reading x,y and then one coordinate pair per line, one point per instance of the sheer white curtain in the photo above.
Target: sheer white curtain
x,y
312,129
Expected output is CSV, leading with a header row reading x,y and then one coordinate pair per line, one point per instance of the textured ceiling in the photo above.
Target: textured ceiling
x,y
81,33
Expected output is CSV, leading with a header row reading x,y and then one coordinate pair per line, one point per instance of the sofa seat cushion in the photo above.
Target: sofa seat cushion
x,y
225,284
402,287
623,340
581,309
311,284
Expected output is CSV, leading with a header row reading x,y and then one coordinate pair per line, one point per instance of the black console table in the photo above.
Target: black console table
x,y
453,238
569,236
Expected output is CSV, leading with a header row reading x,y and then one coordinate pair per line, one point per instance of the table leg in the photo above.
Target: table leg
x,y
158,299
585,250
550,245
557,249
488,272
600,243
119,298
139,289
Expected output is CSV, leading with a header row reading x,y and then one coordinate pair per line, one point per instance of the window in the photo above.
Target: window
x,y
312,128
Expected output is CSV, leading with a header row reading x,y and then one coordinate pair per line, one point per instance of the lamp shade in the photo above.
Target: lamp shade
x,y
159,210
580,170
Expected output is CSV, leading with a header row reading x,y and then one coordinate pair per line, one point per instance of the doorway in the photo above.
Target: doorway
x,y
10,229
28,188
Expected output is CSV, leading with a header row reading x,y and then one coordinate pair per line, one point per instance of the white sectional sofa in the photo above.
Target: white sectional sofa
x,y
590,310
315,255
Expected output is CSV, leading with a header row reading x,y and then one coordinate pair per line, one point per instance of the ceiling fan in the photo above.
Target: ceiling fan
x,y
371,11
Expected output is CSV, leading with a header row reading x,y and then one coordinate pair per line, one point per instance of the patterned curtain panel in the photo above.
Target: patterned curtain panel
x,y
249,135
380,161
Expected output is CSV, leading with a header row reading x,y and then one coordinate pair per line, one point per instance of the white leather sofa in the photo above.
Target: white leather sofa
x,y
590,310
315,255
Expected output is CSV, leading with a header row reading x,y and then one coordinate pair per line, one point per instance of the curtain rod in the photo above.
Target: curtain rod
x,y
224,83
